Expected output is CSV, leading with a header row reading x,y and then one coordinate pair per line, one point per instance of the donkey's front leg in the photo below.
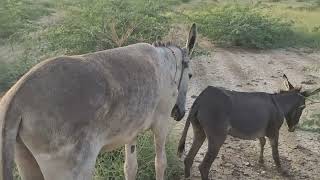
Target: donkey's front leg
x,y
275,153
131,164
160,135
274,141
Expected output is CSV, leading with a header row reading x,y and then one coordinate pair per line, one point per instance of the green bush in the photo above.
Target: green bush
x,y
236,25
19,15
107,24
110,165
86,26
311,122
11,72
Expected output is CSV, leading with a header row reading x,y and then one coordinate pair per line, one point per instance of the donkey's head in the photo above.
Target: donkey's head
x,y
294,114
178,110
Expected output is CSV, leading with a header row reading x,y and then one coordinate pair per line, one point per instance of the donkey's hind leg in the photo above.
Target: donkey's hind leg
x,y
262,141
198,138
27,164
71,162
131,164
160,135
214,145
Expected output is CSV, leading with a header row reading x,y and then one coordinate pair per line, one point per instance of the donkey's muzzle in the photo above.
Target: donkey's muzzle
x,y
177,114
292,129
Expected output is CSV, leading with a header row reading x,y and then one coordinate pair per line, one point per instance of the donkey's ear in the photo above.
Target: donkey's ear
x,y
287,82
192,38
310,92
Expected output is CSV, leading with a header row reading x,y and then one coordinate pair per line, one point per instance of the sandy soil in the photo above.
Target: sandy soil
x,y
247,70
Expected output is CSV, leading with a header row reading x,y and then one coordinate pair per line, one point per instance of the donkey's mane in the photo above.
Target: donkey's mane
x,y
164,44
295,89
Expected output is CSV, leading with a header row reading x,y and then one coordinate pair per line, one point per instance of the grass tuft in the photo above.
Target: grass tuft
x,y
110,165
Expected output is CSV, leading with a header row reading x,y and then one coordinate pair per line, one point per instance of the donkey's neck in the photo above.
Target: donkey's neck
x,y
171,61
287,101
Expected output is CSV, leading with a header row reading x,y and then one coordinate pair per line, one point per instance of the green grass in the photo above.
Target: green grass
x,y
235,25
19,16
312,121
95,25
87,26
305,19
104,24
110,165
258,24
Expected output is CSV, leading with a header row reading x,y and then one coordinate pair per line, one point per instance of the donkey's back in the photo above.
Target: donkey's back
x,y
87,95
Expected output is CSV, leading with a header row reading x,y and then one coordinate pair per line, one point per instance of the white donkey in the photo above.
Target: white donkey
x,y
58,117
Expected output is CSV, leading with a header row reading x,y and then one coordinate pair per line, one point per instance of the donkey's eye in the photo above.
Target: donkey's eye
x,y
190,75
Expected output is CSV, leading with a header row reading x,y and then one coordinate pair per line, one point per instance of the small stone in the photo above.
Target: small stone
x,y
247,164
263,172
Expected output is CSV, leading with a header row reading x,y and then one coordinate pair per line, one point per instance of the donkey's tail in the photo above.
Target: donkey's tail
x,y
9,126
182,141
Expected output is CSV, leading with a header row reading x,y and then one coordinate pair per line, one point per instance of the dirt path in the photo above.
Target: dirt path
x,y
245,70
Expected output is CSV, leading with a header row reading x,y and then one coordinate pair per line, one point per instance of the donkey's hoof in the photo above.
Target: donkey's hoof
x,y
261,161
284,172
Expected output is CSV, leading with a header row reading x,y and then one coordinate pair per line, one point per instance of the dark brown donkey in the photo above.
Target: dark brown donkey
x,y
218,112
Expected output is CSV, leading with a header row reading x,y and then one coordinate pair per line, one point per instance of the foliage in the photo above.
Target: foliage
x,y
311,122
19,15
87,26
235,25
11,72
107,24
110,165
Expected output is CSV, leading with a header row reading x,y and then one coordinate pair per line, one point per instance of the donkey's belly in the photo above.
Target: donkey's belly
x,y
246,135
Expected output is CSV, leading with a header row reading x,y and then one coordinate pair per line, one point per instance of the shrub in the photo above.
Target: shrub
x,y
312,121
243,26
87,26
10,72
110,165
107,24
18,15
